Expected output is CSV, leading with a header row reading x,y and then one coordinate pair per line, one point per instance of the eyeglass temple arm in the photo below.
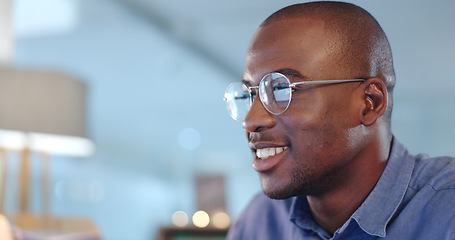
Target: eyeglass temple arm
x,y
326,82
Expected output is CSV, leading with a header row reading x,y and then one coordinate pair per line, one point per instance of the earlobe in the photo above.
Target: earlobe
x,y
375,101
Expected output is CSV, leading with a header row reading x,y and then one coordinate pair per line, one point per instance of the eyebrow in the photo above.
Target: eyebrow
x,y
290,72
285,71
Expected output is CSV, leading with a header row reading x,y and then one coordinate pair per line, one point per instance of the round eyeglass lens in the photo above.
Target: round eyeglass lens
x,y
275,93
238,100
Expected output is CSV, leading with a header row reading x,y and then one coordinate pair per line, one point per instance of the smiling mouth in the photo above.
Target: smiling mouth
x,y
265,153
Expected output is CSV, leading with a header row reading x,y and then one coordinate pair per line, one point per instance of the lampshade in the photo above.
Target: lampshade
x,y
44,111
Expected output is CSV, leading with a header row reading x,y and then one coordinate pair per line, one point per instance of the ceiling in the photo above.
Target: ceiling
x,y
219,30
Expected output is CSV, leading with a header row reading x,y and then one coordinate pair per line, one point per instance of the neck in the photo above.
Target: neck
x,y
333,208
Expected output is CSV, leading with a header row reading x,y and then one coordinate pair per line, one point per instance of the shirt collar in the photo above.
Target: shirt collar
x,y
300,215
376,211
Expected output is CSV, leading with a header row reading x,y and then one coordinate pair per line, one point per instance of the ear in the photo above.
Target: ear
x,y
375,101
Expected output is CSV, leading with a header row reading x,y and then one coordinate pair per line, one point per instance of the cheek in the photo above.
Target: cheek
x,y
303,111
333,111
318,143
314,103
320,119
317,130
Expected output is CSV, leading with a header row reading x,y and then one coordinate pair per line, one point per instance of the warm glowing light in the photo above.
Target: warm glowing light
x,y
48,143
180,219
201,219
13,140
221,220
60,145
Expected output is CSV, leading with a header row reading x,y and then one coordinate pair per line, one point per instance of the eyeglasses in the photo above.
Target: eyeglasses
x,y
275,92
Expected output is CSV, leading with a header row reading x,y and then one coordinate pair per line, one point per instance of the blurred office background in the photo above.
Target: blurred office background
x,y
156,72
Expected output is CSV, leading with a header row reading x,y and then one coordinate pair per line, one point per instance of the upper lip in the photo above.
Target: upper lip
x,y
259,140
260,145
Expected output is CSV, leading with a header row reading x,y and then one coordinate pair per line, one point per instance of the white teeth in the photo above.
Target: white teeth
x,y
269,152
279,150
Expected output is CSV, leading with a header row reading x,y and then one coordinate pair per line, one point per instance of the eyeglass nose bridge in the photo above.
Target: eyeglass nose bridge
x,y
253,95
250,90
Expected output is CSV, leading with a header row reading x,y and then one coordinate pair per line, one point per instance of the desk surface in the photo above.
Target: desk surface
x,y
191,233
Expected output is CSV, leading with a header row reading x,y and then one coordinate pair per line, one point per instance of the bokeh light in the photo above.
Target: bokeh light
x,y
180,219
221,220
201,219
189,138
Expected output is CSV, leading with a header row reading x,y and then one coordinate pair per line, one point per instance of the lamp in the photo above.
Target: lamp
x,y
41,112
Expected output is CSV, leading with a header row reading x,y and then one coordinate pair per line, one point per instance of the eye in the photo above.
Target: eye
x,y
280,86
244,96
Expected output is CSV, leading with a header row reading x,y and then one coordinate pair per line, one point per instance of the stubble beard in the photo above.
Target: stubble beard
x,y
306,182
302,182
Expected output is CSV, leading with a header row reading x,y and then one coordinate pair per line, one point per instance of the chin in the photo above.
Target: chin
x,y
277,196
299,184
282,193
278,187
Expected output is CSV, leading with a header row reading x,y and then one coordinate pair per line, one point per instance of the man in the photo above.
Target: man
x,y
316,102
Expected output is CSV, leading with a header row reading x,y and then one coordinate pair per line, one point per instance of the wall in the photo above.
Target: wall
x,y
145,88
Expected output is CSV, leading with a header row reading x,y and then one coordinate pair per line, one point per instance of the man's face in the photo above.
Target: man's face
x,y
319,131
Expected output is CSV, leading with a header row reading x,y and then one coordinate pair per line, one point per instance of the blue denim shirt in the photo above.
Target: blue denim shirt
x,y
413,199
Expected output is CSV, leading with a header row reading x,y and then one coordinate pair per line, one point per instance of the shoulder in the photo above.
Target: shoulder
x,y
427,209
425,171
262,218
436,172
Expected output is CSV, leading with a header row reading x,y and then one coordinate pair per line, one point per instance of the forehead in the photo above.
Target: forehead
x,y
298,44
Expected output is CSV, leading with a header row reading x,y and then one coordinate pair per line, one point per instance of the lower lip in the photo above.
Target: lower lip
x,y
262,165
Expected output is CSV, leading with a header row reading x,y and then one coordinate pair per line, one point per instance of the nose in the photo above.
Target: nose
x,y
258,118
